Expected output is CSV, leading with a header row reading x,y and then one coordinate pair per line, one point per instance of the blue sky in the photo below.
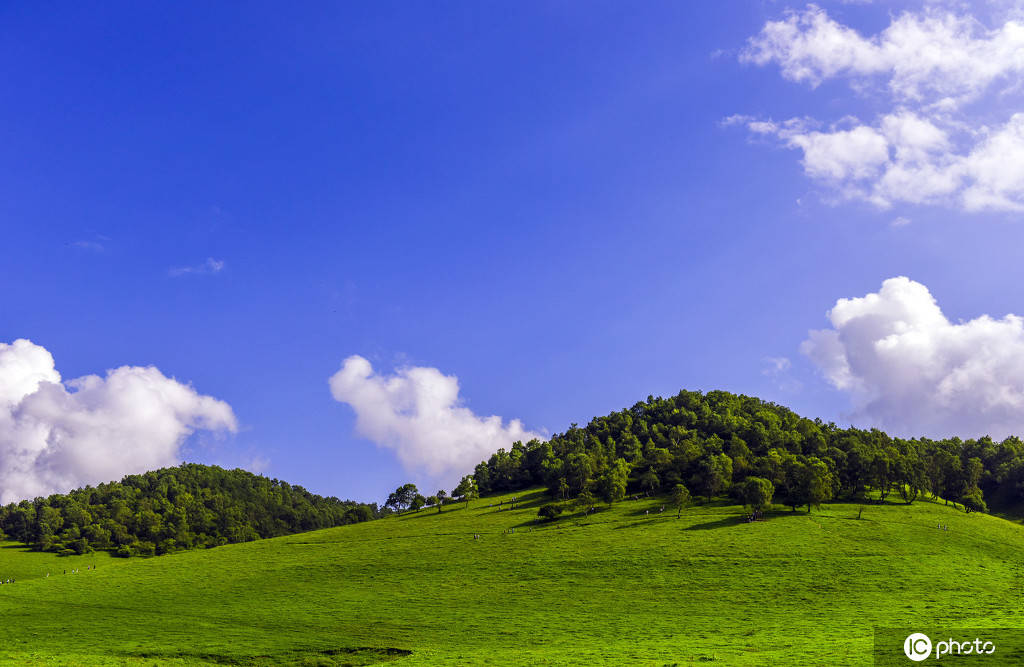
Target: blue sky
x,y
545,200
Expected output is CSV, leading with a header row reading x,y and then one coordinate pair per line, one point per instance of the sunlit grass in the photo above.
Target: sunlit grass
x,y
616,587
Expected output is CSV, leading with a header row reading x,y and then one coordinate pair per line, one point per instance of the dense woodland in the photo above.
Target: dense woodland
x,y
690,445
174,508
720,443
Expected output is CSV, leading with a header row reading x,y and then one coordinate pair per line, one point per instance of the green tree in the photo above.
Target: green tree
x,y
402,497
550,511
466,490
820,485
757,492
680,498
611,485
714,474
649,482
974,501
586,500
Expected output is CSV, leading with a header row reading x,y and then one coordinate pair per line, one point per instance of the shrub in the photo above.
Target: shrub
x,y
550,512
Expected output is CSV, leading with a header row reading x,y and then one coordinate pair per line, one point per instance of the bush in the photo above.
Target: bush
x,y
550,512
974,501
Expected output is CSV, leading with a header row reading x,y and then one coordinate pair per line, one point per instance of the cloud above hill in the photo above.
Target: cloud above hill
x,y
908,369
953,135
417,412
58,435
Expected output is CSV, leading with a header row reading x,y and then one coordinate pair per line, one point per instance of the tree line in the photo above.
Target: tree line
x,y
408,497
721,443
170,509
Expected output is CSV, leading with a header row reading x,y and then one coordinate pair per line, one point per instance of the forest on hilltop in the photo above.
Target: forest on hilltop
x,y
170,509
715,443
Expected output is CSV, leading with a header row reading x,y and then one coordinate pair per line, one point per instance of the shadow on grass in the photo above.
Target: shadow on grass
x,y
334,657
23,547
720,523
646,522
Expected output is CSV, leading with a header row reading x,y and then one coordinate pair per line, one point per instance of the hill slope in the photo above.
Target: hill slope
x,y
620,586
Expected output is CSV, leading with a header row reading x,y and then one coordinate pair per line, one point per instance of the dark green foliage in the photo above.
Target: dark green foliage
x,y
757,492
611,486
680,498
549,511
467,488
172,509
402,497
973,501
713,441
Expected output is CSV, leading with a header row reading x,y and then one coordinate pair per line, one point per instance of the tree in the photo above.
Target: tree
x,y
432,501
466,490
649,482
417,503
757,492
819,483
586,500
714,473
680,497
792,490
550,511
579,470
974,501
442,495
402,497
611,486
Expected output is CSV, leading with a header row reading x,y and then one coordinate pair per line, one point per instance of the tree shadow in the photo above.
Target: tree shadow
x,y
720,523
646,522
23,547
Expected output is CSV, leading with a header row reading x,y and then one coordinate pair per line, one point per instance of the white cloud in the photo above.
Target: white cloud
x,y
778,370
910,370
930,55
417,413
907,158
209,267
775,365
56,436
931,147
92,246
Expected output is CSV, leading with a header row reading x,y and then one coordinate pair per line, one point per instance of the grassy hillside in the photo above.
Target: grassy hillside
x,y
620,586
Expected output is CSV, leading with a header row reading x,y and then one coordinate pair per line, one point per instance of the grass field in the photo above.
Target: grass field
x,y
617,587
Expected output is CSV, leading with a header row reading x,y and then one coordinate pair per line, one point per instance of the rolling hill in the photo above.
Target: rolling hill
x,y
628,584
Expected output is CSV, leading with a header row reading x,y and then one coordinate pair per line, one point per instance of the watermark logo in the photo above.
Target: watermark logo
x,y
928,645
917,646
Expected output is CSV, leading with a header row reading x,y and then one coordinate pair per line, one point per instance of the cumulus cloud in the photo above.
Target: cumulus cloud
x,y
909,369
209,267
907,158
58,435
932,147
934,55
417,412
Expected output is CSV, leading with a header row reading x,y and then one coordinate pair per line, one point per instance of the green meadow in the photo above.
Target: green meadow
x,y
619,586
